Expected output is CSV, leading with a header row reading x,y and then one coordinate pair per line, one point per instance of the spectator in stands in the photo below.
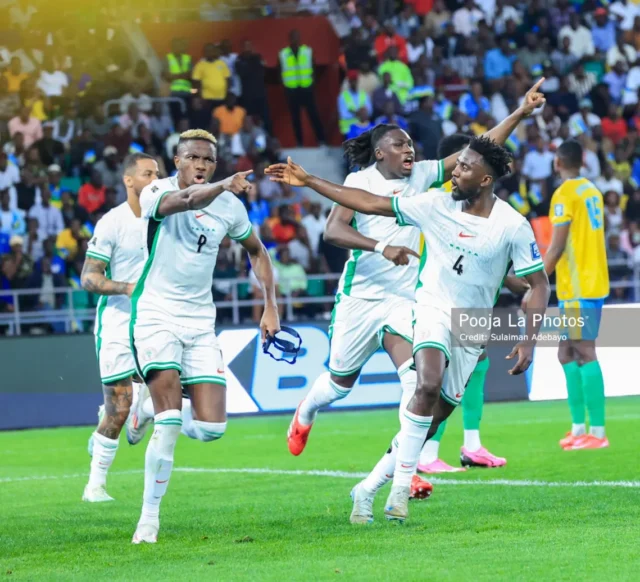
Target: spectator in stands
x,y
34,176
357,50
9,103
498,61
22,261
7,282
251,71
436,18
71,210
211,76
143,101
98,123
614,220
426,128
584,120
538,162
533,54
292,279
401,77
50,149
110,169
52,81
465,19
390,117
314,224
388,38
29,127
11,220
581,41
14,76
564,101
632,36
620,163
178,72
110,201
285,228
9,178
474,101
608,182
562,58
350,101
229,58
161,123
621,52
603,31
139,75
407,21
613,126
230,115
615,80
48,216
250,141
296,68
68,240
91,195
131,120
384,94
33,242
363,123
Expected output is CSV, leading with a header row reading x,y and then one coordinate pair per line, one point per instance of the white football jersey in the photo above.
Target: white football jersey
x,y
116,241
467,257
369,275
181,251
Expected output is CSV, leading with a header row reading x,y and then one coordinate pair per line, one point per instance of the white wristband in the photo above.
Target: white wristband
x,y
380,247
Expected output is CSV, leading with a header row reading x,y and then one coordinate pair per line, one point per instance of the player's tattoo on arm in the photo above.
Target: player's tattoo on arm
x,y
94,280
117,403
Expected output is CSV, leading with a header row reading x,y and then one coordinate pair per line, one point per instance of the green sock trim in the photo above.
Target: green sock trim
x,y
575,394
593,389
439,432
473,399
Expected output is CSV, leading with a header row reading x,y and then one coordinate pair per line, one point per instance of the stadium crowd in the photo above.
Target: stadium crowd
x,y
73,104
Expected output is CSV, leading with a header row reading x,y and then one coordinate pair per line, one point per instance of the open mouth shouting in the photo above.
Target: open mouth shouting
x,y
407,162
199,179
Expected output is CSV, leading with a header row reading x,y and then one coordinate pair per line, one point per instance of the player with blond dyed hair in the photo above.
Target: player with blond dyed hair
x,y
172,328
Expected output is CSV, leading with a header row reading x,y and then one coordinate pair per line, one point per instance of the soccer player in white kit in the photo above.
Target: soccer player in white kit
x,y
172,328
375,298
114,262
472,239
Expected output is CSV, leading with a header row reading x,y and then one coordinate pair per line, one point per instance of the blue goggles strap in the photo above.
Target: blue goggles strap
x,y
285,346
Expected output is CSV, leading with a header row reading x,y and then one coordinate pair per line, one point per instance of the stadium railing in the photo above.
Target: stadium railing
x,y
75,313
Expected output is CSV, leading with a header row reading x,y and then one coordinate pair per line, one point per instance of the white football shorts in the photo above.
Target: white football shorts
x,y
358,326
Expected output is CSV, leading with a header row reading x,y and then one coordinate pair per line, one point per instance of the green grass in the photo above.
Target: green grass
x,y
226,526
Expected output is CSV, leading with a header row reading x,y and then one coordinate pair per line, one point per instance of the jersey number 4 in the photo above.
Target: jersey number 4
x,y
457,266
202,240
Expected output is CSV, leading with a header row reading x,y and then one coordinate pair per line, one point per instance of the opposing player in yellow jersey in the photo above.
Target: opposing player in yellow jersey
x,y
578,255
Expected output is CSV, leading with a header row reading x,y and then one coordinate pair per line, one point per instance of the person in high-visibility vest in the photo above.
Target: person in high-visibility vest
x,y
350,101
177,71
296,67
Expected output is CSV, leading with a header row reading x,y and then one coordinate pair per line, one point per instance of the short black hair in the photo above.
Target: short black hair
x,y
570,153
451,144
131,160
495,156
360,151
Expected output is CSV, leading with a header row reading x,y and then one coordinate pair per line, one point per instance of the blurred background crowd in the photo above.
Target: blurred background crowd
x,y
73,104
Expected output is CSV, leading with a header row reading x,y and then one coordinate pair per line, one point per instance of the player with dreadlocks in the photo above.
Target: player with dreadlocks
x,y
473,238
377,288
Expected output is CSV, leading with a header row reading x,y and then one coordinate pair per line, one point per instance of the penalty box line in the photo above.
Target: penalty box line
x,y
342,475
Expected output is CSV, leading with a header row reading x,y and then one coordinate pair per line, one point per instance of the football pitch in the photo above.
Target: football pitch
x,y
244,508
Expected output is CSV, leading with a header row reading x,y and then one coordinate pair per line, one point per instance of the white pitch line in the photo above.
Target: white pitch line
x,y
346,475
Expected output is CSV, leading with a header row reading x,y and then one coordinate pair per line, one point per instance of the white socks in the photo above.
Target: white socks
x,y
104,451
159,462
472,440
413,433
323,392
383,472
197,429
429,452
597,431
578,429
408,381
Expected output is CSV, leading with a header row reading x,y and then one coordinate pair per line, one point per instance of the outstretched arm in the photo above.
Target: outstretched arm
x,y
199,196
263,269
501,132
94,280
353,198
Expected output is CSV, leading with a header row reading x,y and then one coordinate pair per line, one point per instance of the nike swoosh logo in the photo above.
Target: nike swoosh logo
x,y
396,192
405,466
162,481
220,371
200,215
462,235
